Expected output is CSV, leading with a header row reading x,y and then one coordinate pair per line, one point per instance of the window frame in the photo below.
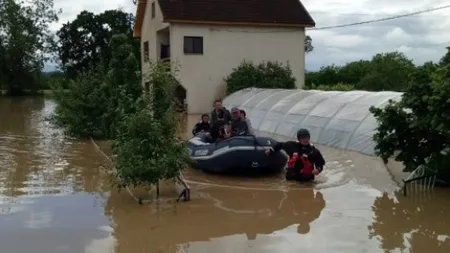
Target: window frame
x,y
197,47
146,51
147,87
153,11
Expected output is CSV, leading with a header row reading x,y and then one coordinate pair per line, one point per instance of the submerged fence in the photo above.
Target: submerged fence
x,y
421,179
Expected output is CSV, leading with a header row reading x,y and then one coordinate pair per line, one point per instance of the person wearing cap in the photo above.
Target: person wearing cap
x,y
305,160
202,126
239,126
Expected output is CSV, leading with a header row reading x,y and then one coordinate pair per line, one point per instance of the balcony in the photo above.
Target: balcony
x,y
163,50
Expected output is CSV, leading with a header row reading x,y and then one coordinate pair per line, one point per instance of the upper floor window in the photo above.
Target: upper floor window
x,y
153,9
146,51
193,45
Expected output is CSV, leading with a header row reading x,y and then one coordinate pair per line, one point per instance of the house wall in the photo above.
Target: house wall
x,y
150,26
224,48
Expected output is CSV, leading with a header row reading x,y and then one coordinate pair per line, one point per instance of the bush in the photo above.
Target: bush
x,y
83,110
264,75
147,149
418,127
96,101
337,87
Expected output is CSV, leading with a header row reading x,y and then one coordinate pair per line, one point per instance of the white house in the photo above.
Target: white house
x,y
206,39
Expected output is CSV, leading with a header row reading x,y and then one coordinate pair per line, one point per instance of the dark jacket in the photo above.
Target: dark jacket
x,y
227,116
239,127
201,126
291,147
216,130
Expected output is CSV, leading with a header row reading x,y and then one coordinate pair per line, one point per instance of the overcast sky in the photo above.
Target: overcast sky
x,y
422,37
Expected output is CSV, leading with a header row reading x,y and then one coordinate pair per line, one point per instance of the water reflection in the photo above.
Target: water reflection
x,y
213,213
45,179
418,222
53,224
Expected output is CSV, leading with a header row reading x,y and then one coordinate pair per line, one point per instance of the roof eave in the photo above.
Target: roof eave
x,y
140,13
230,23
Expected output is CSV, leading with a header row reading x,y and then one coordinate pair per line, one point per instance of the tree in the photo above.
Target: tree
x,y
264,75
308,44
353,72
96,101
147,149
388,71
83,42
329,75
424,74
445,60
25,43
416,130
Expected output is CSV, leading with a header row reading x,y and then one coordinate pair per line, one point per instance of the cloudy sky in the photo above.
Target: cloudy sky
x,y
422,37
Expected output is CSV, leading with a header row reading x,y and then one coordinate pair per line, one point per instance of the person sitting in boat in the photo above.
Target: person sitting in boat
x,y
217,125
249,124
239,126
203,126
218,108
305,160
224,133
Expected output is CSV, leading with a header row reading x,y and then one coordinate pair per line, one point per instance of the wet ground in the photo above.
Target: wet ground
x,y
55,196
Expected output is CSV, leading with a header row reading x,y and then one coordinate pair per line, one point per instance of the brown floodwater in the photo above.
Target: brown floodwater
x,y
55,196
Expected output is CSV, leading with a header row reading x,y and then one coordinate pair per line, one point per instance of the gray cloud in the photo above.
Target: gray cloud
x,y
422,37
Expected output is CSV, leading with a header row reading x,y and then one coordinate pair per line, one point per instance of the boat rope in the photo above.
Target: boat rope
x,y
237,187
138,200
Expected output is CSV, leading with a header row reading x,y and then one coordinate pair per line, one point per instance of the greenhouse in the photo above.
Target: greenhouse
x,y
339,119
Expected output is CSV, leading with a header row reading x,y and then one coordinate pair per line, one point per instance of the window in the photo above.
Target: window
x,y
153,10
146,51
147,87
193,45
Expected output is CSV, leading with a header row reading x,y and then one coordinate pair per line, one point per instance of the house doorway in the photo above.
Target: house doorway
x,y
180,98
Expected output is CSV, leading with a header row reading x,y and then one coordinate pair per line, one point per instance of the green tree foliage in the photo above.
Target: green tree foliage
x,y
446,59
147,149
25,43
49,79
97,101
83,42
83,110
416,130
387,71
263,75
337,87
308,44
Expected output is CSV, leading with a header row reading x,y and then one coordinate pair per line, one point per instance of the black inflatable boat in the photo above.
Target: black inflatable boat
x,y
236,155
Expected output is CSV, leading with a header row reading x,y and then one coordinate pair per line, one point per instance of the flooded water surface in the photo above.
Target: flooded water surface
x,y
55,196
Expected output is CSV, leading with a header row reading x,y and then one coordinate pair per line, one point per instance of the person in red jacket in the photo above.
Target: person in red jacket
x,y
305,161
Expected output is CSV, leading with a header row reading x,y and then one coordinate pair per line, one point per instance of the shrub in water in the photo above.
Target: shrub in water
x,y
418,126
96,101
147,149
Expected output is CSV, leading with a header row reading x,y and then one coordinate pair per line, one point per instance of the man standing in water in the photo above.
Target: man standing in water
x,y
305,161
